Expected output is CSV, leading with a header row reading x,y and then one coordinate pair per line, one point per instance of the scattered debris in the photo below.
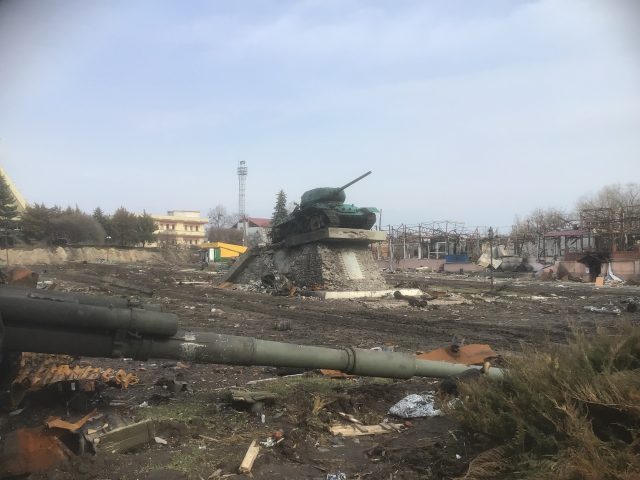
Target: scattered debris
x,y
124,439
278,284
127,285
611,310
275,438
173,385
72,427
336,476
249,457
283,325
251,396
357,430
415,406
612,277
37,370
349,417
421,302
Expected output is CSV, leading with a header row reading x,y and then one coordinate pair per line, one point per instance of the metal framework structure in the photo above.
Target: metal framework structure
x,y
601,230
435,239
242,181
614,228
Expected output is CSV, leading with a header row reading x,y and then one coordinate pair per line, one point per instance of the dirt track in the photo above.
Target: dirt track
x,y
518,312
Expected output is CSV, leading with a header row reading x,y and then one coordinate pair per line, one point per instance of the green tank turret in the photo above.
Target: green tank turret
x,y
34,321
324,207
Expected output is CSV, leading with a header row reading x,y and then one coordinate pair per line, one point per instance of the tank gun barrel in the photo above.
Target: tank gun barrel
x,y
48,326
347,185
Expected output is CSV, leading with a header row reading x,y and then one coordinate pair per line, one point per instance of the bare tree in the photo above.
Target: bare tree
x,y
219,217
614,213
226,235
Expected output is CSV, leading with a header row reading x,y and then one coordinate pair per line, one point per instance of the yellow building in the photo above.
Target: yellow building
x,y
180,227
220,251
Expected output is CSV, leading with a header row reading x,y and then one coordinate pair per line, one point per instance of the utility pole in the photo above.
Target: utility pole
x,y
491,255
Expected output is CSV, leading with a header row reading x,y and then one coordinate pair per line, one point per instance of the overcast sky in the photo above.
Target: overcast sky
x,y
464,110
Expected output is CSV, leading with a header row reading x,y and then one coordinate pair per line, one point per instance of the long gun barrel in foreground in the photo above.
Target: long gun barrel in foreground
x,y
45,322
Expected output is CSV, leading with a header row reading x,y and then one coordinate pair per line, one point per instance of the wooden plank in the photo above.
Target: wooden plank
x,y
358,430
249,457
123,439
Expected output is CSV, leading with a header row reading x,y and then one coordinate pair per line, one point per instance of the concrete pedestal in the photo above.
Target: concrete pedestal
x,y
332,259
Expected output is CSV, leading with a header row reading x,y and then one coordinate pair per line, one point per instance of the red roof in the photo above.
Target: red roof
x,y
260,222
567,233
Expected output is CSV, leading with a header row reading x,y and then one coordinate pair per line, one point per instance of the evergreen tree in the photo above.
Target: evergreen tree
x,y
8,212
280,211
123,227
102,219
8,208
36,220
145,228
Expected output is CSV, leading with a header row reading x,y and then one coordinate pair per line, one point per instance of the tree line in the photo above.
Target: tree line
x,y
40,224
53,225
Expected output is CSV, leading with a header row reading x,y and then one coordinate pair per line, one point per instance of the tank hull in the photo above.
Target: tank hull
x,y
324,215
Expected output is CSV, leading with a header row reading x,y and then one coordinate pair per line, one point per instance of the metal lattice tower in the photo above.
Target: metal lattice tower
x,y
242,180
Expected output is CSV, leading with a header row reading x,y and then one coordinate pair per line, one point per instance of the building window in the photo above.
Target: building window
x,y
173,227
197,228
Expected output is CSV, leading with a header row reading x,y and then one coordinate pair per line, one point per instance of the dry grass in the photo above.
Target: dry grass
x,y
572,412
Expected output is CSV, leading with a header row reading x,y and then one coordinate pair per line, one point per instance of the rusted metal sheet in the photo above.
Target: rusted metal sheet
x,y
38,370
334,373
31,450
72,427
472,354
22,276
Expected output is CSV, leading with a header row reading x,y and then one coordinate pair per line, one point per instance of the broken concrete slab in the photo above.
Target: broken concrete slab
x,y
330,295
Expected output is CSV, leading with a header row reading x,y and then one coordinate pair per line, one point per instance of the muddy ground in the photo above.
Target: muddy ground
x,y
207,436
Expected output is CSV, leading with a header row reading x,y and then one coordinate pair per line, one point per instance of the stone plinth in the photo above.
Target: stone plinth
x,y
332,259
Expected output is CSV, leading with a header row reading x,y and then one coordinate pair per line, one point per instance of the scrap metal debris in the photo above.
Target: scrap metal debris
x,y
471,354
37,370
73,427
415,406
611,309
